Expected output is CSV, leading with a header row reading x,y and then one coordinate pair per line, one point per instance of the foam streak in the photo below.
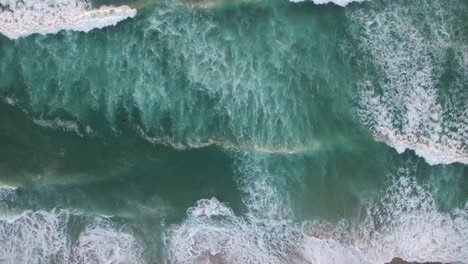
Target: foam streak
x,y
19,19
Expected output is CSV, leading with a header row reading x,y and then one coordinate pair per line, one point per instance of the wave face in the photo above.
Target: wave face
x,y
194,81
415,97
23,18
214,234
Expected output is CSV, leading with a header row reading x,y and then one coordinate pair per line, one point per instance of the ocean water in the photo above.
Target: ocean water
x,y
233,131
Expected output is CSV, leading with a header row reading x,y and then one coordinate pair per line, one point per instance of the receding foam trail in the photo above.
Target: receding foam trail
x,y
23,18
336,2
403,222
59,124
407,103
43,237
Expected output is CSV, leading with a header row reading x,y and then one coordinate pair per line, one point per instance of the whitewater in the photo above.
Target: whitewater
x,y
269,132
23,18
336,2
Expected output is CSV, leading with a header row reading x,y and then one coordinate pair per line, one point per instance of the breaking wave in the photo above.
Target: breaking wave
x,y
336,2
44,237
188,78
408,101
404,222
7,192
23,18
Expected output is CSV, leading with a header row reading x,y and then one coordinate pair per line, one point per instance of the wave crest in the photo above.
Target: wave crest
x,y
408,101
336,2
23,18
44,237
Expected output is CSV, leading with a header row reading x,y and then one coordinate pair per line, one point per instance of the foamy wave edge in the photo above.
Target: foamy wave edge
x,y
403,222
43,237
16,24
321,2
433,155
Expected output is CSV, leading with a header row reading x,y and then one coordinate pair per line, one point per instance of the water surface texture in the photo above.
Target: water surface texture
x,y
233,131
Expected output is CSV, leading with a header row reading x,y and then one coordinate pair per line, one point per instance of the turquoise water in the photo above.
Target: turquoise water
x,y
233,132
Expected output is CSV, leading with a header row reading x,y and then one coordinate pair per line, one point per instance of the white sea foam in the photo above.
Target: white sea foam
x,y
212,233
43,237
226,144
404,222
414,231
7,189
7,194
22,18
99,242
402,106
10,101
34,237
59,124
321,2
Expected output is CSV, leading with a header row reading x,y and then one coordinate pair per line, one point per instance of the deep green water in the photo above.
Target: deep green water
x,y
239,132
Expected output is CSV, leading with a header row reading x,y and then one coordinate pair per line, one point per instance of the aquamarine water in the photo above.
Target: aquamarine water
x,y
243,131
